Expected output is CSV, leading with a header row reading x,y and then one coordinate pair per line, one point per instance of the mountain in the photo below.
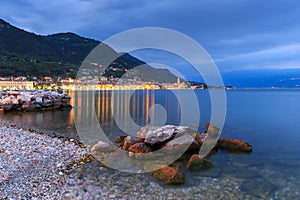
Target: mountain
x,y
263,78
60,55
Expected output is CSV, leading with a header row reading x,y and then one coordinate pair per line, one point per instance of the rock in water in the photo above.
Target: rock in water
x,y
120,139
130,140
103,147
213,131
234,145
33,100
169,175
197,163
139,148
160,135
185,143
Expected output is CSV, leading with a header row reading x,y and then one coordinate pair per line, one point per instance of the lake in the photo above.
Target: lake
x,y
267,119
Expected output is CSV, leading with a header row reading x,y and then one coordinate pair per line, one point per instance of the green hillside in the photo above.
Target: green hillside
x,y
59,55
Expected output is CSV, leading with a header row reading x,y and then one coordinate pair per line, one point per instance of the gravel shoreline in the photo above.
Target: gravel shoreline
x,y
29,164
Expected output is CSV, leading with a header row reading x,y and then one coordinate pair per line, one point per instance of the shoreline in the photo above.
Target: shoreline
x,y
30,161
33,166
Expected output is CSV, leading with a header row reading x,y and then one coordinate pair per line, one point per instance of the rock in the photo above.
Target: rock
x,y
213,131
169,175
120,139
23,98
130,140
139,148
31,100
196,163
156,136
184,143
39,99
103,147
160,135
234,145
28,106
200,137
13,93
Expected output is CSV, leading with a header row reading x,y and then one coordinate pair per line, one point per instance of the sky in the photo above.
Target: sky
x,y
238,35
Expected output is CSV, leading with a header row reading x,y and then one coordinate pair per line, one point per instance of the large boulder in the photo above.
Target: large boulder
x,y
169,175
157,135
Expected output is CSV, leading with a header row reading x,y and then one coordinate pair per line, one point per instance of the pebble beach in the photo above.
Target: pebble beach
x,y
32,166
29,164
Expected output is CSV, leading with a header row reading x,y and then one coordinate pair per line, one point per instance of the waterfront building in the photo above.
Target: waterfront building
x,y
16,85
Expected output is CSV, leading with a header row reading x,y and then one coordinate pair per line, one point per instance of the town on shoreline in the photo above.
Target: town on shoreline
x,y
102,83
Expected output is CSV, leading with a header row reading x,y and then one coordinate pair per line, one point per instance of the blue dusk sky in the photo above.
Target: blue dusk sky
x,y
238,34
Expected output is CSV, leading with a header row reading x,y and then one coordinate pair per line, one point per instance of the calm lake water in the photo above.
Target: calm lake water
x,y
267,119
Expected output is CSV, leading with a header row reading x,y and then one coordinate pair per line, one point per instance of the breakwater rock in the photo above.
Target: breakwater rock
x,y
33,100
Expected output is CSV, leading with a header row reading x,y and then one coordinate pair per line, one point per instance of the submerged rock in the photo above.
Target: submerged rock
x,y
234,145
169,175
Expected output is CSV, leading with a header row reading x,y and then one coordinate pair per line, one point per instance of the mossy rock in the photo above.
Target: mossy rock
x,y
196,163
234,145
169,175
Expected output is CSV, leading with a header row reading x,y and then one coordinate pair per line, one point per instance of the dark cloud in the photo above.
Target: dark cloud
x,y
227,29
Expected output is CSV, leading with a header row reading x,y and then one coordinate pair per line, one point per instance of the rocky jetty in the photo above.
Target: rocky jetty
x,y
152,145
32,100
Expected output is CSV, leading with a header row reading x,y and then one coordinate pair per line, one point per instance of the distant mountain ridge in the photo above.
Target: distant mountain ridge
x,y
264,78
28,54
